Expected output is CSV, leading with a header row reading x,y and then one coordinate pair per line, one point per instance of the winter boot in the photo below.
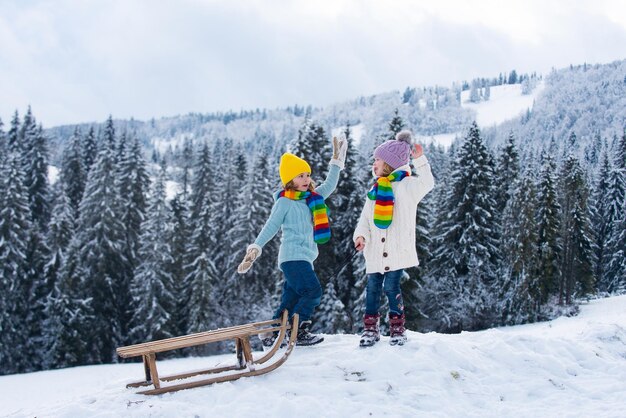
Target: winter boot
x,y
397,332
305,337
268,339
371,331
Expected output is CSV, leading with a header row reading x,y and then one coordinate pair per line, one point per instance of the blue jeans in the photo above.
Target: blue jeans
x,y
391,287
302,291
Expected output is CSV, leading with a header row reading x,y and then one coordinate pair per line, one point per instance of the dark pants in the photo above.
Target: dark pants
x,y
302,291
390,283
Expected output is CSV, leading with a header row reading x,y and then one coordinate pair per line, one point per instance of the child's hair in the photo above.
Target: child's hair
x,y
386,169
291,186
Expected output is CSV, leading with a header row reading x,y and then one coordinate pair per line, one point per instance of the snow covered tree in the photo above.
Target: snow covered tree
x,y
474,95
520,289
604,217
36,169
73,174
549,225
14,139
577,262
15,227
467,250
89,150
68,328
615,273
203,179
507,171
152,284
204,310
102,241
178,241
250,210
396,124
331,315
133,183
201,282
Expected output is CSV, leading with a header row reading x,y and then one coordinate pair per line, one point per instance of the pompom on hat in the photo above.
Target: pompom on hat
x,y
291,167
396,152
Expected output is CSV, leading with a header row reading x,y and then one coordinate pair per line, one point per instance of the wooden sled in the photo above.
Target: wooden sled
x,y
246,364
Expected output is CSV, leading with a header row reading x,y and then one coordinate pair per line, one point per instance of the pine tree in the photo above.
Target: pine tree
x,y
36,170
507,171
15,227
68,327
202,281
467,246
102,241
152,284
33,153
577,262
549,225
3,144
396,125
73,174
14,140
202,180
331,315
133,184
89,150
603,221
520,288
615,274
178,238
187,166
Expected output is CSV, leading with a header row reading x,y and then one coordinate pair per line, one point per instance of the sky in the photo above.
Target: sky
x,y
78,61
568,367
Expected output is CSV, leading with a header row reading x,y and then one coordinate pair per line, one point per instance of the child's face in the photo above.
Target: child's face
x,y
379,167
302,181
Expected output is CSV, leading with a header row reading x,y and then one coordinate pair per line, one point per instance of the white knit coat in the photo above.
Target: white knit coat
x,y
394,248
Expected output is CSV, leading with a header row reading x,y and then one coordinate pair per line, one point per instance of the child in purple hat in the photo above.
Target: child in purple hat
x,y
386,231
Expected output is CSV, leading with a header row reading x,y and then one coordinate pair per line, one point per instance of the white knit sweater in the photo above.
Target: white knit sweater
x,y
394,248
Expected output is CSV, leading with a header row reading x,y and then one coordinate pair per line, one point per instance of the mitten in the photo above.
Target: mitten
x,y
340,147
251,255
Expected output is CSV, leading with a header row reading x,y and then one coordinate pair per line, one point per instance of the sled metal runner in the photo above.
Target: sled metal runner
x,y
245,366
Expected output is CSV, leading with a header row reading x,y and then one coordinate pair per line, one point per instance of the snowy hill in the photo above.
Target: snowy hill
x,y
569,367
506,102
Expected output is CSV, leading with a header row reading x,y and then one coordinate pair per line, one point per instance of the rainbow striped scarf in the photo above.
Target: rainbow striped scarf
x,y
382,193
319,211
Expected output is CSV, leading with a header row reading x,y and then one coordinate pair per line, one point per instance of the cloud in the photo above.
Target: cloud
x,y
79,61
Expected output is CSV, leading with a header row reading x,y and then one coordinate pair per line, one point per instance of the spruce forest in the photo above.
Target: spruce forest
x,y
127,231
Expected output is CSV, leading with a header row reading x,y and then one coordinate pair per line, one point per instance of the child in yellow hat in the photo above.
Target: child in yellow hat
x,y
300,212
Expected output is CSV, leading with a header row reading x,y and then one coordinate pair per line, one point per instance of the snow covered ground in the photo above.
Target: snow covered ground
x,y
569,367
505,102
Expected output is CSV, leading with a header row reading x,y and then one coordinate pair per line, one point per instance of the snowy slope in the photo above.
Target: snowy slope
x,y
505,102
569,367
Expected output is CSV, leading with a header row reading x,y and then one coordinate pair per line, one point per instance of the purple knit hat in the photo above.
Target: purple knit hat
x,y
396,152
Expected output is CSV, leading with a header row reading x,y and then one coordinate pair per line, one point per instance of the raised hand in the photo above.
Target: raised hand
x,y
417,151
340,147
248,260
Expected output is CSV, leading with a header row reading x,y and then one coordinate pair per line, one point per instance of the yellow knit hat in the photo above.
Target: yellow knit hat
x,y
291,167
